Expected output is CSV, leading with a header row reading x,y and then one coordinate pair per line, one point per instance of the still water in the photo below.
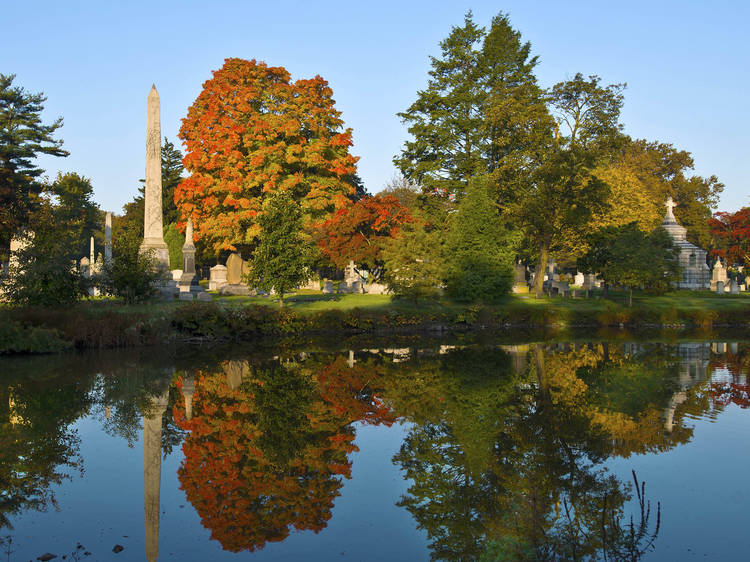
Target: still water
x,y
585,450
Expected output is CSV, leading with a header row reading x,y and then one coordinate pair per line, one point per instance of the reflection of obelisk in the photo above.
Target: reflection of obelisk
x,y
152,472
188,388
153,227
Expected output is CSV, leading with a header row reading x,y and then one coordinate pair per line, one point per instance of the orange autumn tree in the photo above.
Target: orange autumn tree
x,y
251,132
361,231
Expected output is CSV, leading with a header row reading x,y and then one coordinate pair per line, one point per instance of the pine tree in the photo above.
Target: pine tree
x,y
448,120
479,247
23,137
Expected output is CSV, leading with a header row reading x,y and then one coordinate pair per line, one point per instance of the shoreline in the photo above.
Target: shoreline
x,y
106,324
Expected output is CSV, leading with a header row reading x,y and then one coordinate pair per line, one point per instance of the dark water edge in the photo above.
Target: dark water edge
x,y
400,448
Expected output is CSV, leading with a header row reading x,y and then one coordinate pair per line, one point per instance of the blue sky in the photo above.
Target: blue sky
x,y
685,62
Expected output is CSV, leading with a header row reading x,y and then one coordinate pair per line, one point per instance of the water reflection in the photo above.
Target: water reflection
x,y
505,450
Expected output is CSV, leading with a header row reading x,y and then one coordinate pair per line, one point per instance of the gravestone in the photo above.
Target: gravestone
x,y
204,296
234,269
355,287
376,289
579,279
734,288
719,287
85,267
718,273
186,296
217,277
188,279
176,274
328,288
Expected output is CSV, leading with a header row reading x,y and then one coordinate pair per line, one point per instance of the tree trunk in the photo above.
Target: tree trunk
x,y
541,265
281,300
630,300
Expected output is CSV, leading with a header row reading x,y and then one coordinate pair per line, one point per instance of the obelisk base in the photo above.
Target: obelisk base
x,y
161,252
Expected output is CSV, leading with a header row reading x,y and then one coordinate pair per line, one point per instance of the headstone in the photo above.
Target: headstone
x,y
355,287
350,273
579,279
217,277
328,288
747,283
719,287
186,296
376,289
176,274
734,287
234,269
204,296
85,267
719,273
108,238
153,221
343,288
188,279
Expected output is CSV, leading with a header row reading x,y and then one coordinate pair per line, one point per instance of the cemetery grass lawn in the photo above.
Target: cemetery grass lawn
x,y
687,301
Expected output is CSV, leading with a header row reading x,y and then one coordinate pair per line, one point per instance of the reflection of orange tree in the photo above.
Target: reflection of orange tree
x,y
268,454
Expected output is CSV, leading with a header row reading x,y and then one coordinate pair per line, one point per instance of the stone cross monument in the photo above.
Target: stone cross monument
x,y
153,226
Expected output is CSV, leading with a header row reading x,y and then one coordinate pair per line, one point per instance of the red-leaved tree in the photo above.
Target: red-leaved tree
x,y
731,236
250,132
361,231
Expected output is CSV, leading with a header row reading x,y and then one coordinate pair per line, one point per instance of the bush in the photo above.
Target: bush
x,y
18,338
131,274
43,273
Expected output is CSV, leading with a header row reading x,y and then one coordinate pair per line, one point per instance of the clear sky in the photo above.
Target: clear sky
x,y
686,63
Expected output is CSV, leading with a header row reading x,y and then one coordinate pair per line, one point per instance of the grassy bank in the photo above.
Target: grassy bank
x,y
104,324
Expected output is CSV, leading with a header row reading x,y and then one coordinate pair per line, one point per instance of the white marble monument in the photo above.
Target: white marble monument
x,y
153,221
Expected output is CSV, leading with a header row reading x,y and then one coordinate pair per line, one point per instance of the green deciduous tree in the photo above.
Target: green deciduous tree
x,y
282,257
43,272
563,192
627,256
479,248
23,137
75,210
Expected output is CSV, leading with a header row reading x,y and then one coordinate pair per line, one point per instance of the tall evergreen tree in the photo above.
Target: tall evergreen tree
x,y
451,143
479,249
23,137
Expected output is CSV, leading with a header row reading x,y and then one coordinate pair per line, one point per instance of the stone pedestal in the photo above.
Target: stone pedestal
x,y
218,277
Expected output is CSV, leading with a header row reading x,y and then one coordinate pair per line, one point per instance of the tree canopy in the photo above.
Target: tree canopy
x,y
23,137
252,132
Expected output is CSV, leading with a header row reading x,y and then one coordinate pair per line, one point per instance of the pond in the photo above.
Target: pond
x,y
405,450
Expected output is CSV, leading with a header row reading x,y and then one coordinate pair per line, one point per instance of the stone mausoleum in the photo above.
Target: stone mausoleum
x,y
695,272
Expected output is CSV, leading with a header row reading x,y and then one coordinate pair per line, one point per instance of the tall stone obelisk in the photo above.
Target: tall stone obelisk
x,y
153,222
